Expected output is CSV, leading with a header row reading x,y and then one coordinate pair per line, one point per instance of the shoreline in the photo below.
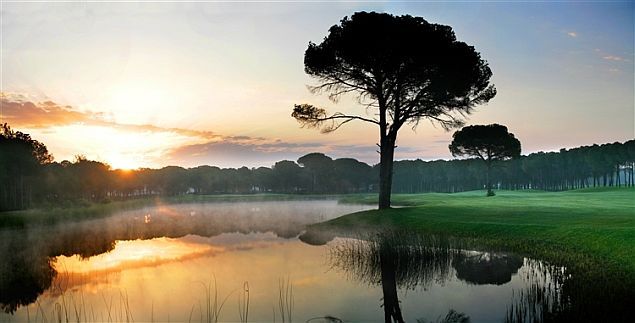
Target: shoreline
x,y
582,229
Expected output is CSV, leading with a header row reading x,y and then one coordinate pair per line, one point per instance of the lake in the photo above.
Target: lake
x,y
240,261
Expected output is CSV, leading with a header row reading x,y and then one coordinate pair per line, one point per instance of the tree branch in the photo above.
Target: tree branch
x,y
314,117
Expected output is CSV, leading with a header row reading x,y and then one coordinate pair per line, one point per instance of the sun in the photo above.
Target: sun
x,y
122,161
120,146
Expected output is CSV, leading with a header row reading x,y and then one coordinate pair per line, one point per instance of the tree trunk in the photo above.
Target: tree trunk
x,y
392,311
387,152
489,183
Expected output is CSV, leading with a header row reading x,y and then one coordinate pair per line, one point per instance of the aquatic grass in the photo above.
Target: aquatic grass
x,y
243,303
72,307
214,305
40,310
189,319
67,308
452,317
542,296
417,260
125,307
285,300
108,306
326,319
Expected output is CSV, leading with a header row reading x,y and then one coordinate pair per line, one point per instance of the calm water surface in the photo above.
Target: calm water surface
x,y
174,262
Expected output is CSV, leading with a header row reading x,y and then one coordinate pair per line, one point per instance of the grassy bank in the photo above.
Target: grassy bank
x,y
591,228
54,214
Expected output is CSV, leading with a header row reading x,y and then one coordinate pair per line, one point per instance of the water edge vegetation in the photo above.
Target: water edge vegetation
x,y
595,223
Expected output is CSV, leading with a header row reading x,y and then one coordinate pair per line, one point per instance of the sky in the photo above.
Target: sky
x,y
214,83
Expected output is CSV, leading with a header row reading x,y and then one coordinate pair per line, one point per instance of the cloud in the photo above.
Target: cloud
x,y
19,111
68,131
610,57
614,58
572,34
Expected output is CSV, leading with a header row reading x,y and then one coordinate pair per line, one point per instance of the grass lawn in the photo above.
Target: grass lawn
x,y
582,229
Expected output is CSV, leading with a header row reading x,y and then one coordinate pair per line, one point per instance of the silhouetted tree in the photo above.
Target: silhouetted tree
x,y
486,142
172,180
263,179
402,68
351,175
20,160
92,177
287,176
320,169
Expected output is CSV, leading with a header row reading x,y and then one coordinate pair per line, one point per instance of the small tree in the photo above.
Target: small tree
x,y
488,143
402,69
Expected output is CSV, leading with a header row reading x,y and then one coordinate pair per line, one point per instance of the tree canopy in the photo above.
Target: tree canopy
x,y
487,142
402,69
20,158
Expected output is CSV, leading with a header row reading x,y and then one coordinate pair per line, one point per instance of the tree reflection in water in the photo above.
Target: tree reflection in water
x,y
394,260
400,260
486,267
24,275
549,293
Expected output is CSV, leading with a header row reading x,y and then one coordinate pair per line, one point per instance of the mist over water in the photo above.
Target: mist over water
x,y
35,256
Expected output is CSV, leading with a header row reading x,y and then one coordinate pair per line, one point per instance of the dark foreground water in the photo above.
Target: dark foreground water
x,y
244,261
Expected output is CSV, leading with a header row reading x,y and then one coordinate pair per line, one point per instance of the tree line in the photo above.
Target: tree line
x,y
605,165
29,177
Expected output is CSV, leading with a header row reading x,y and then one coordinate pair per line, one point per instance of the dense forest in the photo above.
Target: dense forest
x,y
29,177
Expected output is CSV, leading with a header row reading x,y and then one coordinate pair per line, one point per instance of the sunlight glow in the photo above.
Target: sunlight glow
x,y
136,96
135,254
137,100
120,147
124,162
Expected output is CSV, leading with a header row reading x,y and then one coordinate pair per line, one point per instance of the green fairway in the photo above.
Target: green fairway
x,y
583,229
